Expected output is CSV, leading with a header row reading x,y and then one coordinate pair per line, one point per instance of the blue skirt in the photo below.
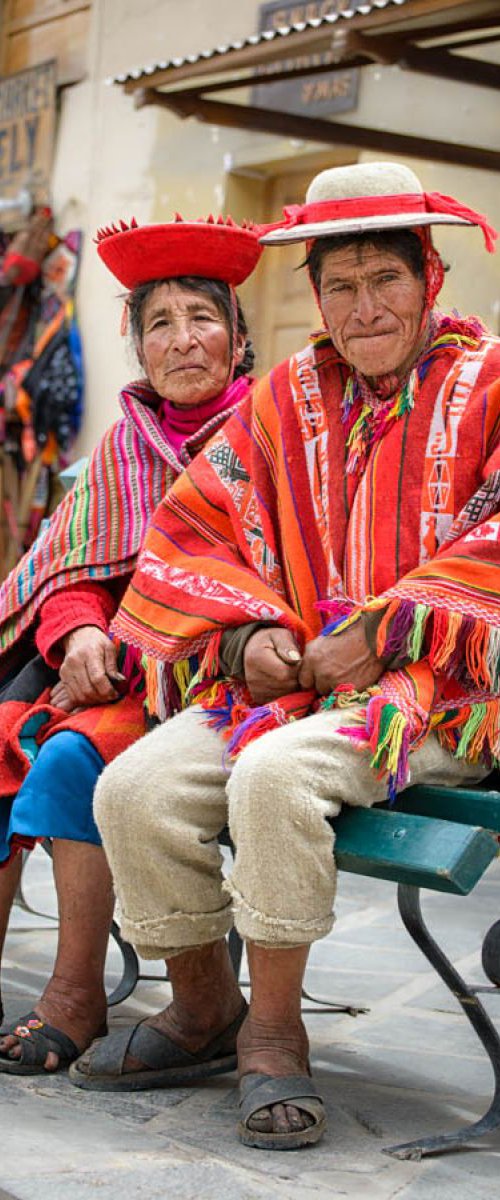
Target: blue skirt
x,y
55,799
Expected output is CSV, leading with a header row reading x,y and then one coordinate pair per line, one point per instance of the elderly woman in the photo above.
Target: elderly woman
x,y
80,701
367,465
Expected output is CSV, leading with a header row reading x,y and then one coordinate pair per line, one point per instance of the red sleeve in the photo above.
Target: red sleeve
x,y
83,603
19,268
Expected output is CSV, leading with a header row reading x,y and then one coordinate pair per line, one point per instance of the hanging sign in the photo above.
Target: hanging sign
x,y
318,95
27,131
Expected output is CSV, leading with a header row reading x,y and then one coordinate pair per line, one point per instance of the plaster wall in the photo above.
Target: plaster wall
x,y
115,161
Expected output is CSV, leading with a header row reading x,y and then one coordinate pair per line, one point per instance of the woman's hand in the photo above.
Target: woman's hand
x,y
271,663
340,658
90,669
60,698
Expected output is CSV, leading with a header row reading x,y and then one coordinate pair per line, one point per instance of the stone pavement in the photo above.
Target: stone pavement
x,y
409,1065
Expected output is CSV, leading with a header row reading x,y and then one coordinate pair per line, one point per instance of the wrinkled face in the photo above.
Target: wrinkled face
x,y
372,304
185,348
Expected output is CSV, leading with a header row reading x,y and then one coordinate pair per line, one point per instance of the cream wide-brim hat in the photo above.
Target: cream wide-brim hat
x,y
362,182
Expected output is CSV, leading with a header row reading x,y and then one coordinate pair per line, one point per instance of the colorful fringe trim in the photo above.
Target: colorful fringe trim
x,y
129,663
366,424
456,648
240,723
343,613
470,731
167,685
387,733
454,644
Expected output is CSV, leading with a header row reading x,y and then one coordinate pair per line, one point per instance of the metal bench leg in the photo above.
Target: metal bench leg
x,y
130,973
409,907
235,950
20,898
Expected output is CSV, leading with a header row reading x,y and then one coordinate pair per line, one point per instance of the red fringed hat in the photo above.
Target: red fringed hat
x,y
217,248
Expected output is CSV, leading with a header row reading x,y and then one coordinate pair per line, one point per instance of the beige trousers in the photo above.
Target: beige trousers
x,y
161,805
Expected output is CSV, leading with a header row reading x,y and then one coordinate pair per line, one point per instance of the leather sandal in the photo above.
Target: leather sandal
x,y
101,1067
263,1091
36,1038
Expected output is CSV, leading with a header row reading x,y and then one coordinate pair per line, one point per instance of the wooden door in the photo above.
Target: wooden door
x,y
289,312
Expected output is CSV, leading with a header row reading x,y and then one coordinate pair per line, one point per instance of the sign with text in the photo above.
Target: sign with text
x,y
27,131
318,95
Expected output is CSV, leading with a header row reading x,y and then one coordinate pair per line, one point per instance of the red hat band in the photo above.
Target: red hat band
x,y
359,207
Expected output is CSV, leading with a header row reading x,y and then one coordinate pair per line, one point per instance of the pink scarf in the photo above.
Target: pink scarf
x,y
179,424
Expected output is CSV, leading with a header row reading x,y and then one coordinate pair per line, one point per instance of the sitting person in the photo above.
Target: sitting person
x,y
78,700
332,559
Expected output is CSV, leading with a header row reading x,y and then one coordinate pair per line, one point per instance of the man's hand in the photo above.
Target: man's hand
x,y
271,663
90,667
341,658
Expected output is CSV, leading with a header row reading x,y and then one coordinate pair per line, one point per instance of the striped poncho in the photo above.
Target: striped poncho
x,y
98,529
95,534
268,524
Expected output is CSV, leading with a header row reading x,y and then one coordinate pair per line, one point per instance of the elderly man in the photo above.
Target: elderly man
x,y
318,593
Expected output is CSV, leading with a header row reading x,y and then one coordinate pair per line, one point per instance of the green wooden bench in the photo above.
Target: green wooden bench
x,y
440,839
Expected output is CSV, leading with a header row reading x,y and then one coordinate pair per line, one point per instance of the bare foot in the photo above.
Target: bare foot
x,y
269,1048
78,1012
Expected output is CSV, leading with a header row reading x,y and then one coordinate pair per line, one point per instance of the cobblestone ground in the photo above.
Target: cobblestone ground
x,y
407,1066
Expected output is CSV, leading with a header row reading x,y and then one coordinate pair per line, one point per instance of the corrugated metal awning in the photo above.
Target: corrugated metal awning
x,y
322,26
423,36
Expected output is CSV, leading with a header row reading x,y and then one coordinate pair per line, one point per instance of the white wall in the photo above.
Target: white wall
x,y
115,161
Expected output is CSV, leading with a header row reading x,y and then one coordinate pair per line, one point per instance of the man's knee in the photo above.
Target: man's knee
x,y
147,783
266,789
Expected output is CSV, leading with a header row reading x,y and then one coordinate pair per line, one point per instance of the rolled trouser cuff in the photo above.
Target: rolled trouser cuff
x,y
279,932
172,935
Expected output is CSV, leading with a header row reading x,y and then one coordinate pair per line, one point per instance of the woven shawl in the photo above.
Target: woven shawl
x,y
266,525
97,530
